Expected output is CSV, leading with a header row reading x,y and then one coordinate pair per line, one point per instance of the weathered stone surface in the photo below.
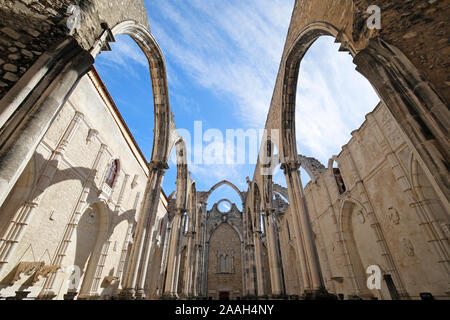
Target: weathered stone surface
x,y
10,67
39,25
119,206
10,33
379,207
10,77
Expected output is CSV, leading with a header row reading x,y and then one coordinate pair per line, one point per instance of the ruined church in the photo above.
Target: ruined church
x,y
83,214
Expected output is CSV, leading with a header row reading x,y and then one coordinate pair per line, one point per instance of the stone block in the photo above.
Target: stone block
x,y
10,67
11,77
10,33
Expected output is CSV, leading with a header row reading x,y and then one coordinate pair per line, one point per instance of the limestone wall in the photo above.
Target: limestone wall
x,y
383,203
100,242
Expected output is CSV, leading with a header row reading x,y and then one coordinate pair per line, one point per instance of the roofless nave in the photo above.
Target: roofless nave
x,y
83,215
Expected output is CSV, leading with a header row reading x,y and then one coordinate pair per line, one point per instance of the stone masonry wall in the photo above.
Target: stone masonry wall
x,y
30,27
420,30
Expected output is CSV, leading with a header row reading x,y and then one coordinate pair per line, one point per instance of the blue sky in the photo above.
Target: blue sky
x,y
222,60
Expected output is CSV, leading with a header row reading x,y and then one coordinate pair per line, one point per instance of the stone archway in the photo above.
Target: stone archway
x,y
93,228
355,270
396,81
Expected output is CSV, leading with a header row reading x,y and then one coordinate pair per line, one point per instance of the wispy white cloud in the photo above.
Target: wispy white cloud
x,y
233,48
332,100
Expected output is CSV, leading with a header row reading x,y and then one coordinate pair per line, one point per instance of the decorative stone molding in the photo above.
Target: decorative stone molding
x,y
159,166
27,269
361,217
92,133
408,246
290,166
35,269
393,215
134,183
312,166
109,281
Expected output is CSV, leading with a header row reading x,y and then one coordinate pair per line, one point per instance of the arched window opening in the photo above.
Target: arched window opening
x,y
338,178
112,173
186,223
332,100
261,221
124,72
224,192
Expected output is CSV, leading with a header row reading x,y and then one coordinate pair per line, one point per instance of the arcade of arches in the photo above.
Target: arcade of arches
x,y
83,214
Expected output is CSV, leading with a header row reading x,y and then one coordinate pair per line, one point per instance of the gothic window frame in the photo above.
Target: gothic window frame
x,y
112,172
338,178
107,187
185,223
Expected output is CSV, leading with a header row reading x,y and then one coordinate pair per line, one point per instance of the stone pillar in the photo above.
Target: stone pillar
x,y
189,265
47,291
384,248
307,252
319,237
249,258
258,263
137,268
20,140
251,283
21,219
164,257
272,249
170,290
200,282
197,249
190,261
289,170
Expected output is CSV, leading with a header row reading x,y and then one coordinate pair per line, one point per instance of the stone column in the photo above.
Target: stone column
x,y
258,262
18,143
274,261
319,237
290,169
164,257
21,219
307,252
170,290
137,268
249,258
197,249
200,282
190,261
251,285
187,290
47,291
384,248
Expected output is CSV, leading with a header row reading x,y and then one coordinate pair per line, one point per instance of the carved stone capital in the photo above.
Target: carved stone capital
x,y
180,211
159,166
268,212
290,166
